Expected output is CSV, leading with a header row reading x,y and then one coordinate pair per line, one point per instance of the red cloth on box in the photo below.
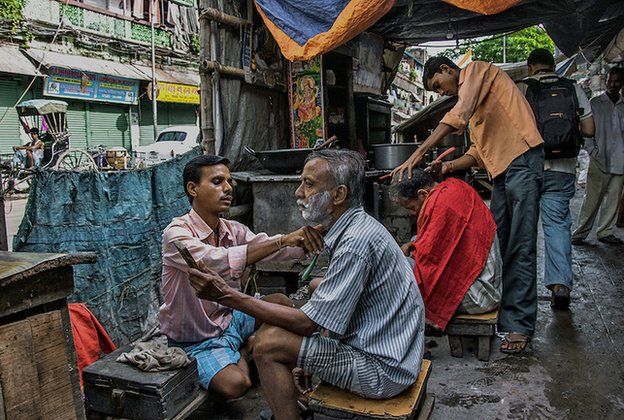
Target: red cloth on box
x,y
455,234
90,337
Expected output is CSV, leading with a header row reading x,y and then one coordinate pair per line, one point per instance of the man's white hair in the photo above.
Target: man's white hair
x,y
346,167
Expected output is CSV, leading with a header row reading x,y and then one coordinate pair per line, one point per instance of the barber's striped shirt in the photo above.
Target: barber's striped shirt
x,y
369,298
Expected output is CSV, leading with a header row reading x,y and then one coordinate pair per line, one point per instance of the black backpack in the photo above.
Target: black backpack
x,y
556,110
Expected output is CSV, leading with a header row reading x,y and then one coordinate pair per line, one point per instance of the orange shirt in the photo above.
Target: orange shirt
x,y
502,124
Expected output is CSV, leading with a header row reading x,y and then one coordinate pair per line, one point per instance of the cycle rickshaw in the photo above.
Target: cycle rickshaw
x,y
49,118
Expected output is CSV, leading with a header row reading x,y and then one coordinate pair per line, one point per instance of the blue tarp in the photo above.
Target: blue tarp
x,y
118,215
303,19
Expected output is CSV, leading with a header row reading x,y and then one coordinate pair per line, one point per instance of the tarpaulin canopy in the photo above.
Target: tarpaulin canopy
x,y
305,28
573,24
41,107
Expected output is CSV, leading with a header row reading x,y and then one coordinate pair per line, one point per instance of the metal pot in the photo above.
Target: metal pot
x,y
389,156
281,161
287,161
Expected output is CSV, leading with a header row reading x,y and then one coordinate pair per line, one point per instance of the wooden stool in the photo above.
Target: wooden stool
x,y
481,326
328,402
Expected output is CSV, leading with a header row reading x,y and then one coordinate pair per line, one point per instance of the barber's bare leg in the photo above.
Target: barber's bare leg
x,y
232,381
275,353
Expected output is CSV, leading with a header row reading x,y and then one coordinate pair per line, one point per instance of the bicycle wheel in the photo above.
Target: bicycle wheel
x,y
75,160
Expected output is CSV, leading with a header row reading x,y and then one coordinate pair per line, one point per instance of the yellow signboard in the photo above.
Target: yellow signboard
x,y
175,92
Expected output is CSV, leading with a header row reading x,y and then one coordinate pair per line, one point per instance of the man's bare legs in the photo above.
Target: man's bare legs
x,y
234,381
275,353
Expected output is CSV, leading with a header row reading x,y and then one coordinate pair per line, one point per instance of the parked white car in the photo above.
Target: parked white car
x,y
170,142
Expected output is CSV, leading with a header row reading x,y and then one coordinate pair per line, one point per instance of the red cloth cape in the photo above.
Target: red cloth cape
x,y
455,234
90,337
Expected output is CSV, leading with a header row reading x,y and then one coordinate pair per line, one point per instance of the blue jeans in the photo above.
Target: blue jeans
x,y
557,191
515,206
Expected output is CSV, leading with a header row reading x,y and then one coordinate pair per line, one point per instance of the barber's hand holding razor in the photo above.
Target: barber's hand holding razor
x,y
439,168
308,237
208,284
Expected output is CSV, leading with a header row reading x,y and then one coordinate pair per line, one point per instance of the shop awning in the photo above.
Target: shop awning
x,y
169,75
87,64
13,61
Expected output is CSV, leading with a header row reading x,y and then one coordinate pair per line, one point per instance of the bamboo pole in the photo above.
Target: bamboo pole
x,y
210,66
206,121
218,16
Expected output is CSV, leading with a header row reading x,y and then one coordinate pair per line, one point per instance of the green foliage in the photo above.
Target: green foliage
x,y
519,46
11,10
195,47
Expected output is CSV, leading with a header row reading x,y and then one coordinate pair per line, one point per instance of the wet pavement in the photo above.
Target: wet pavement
x,y
574,371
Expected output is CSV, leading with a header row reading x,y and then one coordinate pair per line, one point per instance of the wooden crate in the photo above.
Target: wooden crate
x,y
122,390
38,369
481,326
37,380
328,402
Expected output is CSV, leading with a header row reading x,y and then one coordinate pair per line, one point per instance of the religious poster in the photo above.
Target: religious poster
x,y
306,103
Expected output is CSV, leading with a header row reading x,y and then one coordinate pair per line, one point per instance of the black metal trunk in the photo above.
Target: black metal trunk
x,y
121,390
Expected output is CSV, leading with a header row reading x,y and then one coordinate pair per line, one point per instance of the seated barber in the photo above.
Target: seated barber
x,y
211,332
457,262
368,301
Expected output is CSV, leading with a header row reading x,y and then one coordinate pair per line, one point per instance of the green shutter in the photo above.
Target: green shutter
x,y
146,124
181,114
76,124
109,125
169,114
9,124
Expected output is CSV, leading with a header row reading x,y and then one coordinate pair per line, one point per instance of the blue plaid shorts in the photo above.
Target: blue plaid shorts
x,y
214,354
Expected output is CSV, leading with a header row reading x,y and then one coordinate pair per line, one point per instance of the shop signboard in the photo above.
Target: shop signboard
x,y
77,84
307,112
177,93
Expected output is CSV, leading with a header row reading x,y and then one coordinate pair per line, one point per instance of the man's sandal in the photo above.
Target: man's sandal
x,y
523,340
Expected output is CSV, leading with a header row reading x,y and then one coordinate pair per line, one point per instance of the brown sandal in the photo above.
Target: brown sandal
x,y
522,339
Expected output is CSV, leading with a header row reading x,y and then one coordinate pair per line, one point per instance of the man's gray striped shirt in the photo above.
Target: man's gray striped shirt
x,y
369,298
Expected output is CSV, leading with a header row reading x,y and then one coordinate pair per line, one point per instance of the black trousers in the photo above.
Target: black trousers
x,y
515,206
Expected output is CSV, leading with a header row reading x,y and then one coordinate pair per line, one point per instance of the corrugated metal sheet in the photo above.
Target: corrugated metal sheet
x,y
13,61
170,75
76,124
109,125
9,124
93,65
169,114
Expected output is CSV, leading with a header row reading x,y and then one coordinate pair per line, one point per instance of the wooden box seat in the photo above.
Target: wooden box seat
x,y
328,402
481,326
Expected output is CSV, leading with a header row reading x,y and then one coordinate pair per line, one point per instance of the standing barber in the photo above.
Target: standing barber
x,y
504,140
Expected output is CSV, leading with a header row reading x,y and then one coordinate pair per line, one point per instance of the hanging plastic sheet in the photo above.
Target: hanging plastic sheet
x,y
306,28
118,215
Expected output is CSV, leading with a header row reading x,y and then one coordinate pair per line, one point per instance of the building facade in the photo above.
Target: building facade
x,y
407,93
96,56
